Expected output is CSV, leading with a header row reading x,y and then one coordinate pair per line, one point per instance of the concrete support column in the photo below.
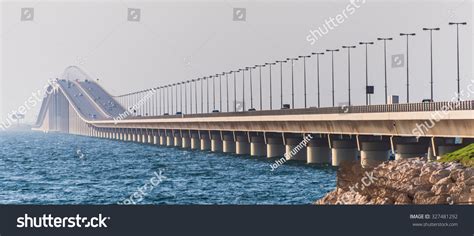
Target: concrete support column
x,y
145,138
162,139
410,150
447,148
373,153
318,151
169,140
134,137
156,139
185,141
195,141
216,143
275,147
228,144
293,151
343,151
257,146
242,145
178,140
205,142
129,135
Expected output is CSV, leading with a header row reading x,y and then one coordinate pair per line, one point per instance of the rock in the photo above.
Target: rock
x,y
405,181
470,181
438,175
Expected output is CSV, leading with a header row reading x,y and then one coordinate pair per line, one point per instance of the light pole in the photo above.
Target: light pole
x,y
281,82
195,97
270,83
213,93
385,64
317,77
251,86
260,83
207,93
408,65
202,96
332,71
292,81
349,71
304,78
227,88
431,56
235,91
220,91
457,46
186,97
366,70
243,89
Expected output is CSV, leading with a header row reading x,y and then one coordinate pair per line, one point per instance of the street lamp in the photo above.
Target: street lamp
x,y
270,83
260,83
227,88
292,81
281,82
408,65
385,63
349,70
367,95
235,90
243,88
457,46
332,71
202,92
317,77
431,55
251,86
304,76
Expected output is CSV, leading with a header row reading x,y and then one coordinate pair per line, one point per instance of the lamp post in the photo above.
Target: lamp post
x,y
270,83
292,81
243,88
227,88
366,69
186,97
220,92
457,47
385,63
195,96
235,91
332,72
408,65
213,92
317,75
281,82
207,93
304,78
349,71
251,86
202,96
260,83
431,56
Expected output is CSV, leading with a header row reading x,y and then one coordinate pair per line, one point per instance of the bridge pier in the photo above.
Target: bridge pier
x,y
228,144
195,141
242,145
275,147
177,139
410,150
169,139
318,151
373,153
156,138
257,146
144,137
205,142
294,150
162,138
185,140
343,151
216,143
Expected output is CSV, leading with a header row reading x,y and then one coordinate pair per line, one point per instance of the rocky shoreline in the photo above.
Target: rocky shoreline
x,y
405,181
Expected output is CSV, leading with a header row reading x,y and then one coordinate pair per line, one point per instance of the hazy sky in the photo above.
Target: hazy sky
x,y
182,40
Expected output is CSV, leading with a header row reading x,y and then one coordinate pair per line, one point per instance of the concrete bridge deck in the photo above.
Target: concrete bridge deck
x,y
339,133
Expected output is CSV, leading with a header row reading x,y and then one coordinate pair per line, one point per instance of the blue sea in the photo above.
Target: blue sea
x,y
53,168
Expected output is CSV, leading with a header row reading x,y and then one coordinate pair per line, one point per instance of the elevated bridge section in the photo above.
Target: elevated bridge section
x,y
373,133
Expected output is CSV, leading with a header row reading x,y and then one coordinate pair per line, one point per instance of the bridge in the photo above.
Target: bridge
x,y
76,104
